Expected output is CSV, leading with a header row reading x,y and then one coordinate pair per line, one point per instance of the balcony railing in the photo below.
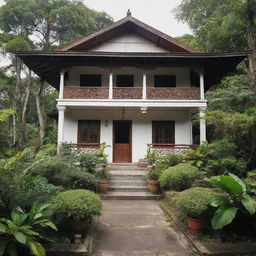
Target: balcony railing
x,y
132,93
167,149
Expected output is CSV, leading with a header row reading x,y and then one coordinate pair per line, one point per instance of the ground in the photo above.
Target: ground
x,y
137,227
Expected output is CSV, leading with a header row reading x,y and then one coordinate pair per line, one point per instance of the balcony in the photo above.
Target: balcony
x,y
134,93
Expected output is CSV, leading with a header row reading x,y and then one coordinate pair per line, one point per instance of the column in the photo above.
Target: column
x,y
110,86
201,86
144,89
61,116
202,125
61,92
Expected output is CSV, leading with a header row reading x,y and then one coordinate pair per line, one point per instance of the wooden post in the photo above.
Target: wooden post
x,y
61,92
61,118
110,86
202,125
144,89
201,86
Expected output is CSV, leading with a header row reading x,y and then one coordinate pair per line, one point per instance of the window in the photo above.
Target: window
x,y
165,80
88,132
124,80
163,132
90,80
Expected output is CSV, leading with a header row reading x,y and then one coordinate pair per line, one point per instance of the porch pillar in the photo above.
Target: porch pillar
x,y
61,116
110,86
202,125
201,86
61,92
144,89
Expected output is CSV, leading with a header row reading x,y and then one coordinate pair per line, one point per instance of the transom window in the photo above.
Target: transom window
x,y
163,132
165,81
90,80
88,132
124,81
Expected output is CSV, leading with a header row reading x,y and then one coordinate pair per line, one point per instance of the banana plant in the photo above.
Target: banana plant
x,y
20,229
235,198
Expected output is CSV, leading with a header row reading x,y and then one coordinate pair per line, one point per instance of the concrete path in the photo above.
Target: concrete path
x,y
137,227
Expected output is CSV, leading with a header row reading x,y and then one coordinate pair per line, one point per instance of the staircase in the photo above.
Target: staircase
x,y
128,182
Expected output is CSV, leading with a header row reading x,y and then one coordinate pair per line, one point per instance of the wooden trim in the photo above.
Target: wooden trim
x,y
78,133
154,132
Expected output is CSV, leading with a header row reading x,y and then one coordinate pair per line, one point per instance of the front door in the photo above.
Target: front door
x,y
122,141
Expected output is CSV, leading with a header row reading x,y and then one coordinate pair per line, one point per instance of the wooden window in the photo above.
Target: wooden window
x,y
89,132
124,80
163,132
165,80
90,80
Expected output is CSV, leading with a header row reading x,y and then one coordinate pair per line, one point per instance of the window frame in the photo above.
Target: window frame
x,y
165,86
172,123
79,134
90,86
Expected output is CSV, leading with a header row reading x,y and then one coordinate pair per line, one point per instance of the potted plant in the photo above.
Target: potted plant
x,y
195,203
152,179
143,163
103,180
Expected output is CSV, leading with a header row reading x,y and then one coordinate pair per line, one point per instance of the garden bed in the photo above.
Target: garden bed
x,y
82,249
207,244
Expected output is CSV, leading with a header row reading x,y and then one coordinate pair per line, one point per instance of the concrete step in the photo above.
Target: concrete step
x,y
137,173
128,177
136,183
132,168
128,188
130,196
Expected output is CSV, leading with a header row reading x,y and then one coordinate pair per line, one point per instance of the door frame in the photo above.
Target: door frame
x,y
130,138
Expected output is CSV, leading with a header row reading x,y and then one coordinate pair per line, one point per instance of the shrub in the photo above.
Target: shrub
x,y
76,179
152,157
89,162
102,174
153,174
48,150
76,205
171,160
195,202
178,177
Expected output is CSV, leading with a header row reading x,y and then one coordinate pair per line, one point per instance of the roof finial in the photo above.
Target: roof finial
x,y
129,12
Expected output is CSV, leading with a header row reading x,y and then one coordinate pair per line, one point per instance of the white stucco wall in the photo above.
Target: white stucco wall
x,y
128,43
141,127
182,75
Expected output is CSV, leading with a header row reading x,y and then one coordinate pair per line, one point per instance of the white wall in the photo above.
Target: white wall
x,y
182,75
141,127
128,43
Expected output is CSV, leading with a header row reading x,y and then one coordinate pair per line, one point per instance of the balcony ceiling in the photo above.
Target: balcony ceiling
x,y
48,65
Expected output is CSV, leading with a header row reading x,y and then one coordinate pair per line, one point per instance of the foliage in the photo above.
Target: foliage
x,y
74,178
153,174
76,205
89,162
102,157
250,182
151,157
24,229
195,202
228,205
102,174
178,177
47,150
169,160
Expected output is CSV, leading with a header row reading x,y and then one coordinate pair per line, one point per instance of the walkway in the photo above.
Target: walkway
x,y
137,227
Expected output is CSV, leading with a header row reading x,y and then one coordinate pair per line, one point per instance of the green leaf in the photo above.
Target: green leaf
x,y
3,245
249,204
221,201
238,180
38,215
3,228
223,216
11,249
20,237
15,217
36,248
51,225
31,232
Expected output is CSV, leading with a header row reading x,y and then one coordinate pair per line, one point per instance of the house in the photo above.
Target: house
x,y
130,86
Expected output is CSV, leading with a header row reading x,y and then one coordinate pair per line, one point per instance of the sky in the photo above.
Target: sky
x,y
156,13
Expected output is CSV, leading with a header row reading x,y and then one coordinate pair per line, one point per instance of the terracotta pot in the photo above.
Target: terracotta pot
x,y
80,226
194,225
103,185
142,164
153,186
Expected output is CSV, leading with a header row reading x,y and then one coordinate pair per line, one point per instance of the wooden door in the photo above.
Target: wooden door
x,y
122,141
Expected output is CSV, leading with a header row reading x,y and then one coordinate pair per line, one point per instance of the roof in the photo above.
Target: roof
x,y
48,65
128,24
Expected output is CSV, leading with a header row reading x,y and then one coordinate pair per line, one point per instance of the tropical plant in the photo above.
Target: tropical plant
x,y
178,177
102,174
102,157
250,182
23,229
195,202
89,162
153,174
235,199
151,157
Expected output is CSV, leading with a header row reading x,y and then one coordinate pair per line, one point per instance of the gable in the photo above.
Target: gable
x,y
128,42
132,26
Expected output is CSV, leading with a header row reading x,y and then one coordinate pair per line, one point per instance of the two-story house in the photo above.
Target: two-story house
x,y
130,86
